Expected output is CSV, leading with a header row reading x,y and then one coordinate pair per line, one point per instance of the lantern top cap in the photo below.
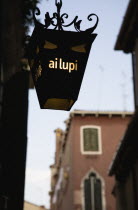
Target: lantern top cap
x,y
57,20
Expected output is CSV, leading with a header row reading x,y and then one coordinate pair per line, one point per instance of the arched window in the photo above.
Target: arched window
x,y
92,187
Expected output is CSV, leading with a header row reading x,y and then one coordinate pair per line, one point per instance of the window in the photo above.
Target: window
x,y
93,193
91,140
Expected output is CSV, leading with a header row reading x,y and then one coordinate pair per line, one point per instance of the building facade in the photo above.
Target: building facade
x,y
127,41
14,85
79,176
124,166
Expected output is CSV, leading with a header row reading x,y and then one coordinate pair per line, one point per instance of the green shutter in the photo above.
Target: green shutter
x,y
98,194
93,185
87,194
90,139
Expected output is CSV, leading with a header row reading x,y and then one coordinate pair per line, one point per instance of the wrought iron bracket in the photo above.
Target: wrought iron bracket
x,y
57,20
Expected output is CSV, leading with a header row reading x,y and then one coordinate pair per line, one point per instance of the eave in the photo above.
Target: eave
x,y
127,151
129,29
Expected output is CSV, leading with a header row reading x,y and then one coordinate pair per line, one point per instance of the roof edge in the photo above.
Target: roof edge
x,y
97,113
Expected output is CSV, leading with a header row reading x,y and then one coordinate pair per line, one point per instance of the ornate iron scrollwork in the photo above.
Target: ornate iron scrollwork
x,y
58,20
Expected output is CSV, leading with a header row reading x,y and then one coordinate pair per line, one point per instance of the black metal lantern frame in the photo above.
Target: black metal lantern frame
x,y
58,58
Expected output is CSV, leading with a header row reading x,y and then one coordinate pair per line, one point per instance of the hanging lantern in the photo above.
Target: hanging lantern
x,y
58,59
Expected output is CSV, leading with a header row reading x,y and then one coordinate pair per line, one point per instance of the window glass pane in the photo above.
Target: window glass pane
x,y
90,139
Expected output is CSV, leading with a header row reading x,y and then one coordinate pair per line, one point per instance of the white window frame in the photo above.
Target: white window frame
x,y
99,140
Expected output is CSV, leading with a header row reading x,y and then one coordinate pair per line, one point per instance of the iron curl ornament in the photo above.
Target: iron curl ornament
x,y
58,20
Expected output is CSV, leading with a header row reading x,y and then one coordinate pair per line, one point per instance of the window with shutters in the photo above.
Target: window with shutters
x,y
91,140
93,193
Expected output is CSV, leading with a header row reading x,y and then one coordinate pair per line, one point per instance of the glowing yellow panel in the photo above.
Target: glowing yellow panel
x,y
79,48
49,45
60,104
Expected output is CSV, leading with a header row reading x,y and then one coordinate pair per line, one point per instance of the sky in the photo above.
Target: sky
x,y
106,86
